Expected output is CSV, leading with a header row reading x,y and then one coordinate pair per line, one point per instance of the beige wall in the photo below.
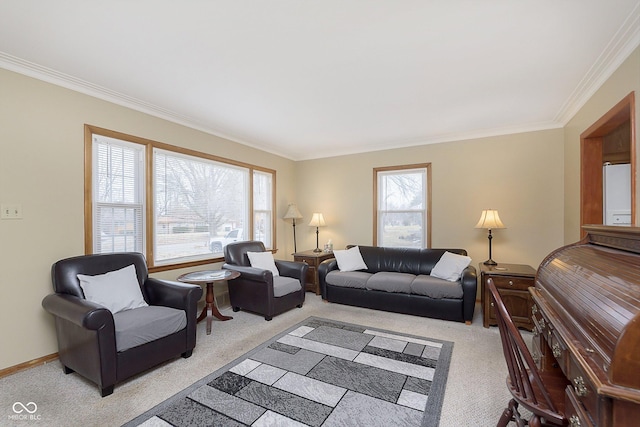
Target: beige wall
x,y
625,80
531,178
41,167
520,175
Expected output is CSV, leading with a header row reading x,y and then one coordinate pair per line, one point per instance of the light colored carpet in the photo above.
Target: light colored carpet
x,y
476,393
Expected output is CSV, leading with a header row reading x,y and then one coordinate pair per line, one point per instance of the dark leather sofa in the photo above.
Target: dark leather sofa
x,y
403,260
86,331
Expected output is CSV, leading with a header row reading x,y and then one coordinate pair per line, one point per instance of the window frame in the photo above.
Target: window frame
x,y
149,207
427,197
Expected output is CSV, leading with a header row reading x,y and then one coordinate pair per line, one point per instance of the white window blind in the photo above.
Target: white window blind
x,y
263,207
118,196
197,204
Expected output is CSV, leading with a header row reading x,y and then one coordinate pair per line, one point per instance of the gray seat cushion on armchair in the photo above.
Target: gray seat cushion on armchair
x,y
283,285
146,324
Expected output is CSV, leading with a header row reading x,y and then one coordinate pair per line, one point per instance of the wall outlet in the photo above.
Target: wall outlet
x,y
10,211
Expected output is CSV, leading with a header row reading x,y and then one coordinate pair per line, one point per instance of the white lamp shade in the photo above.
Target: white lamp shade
x,y
317,220
490,219
292,212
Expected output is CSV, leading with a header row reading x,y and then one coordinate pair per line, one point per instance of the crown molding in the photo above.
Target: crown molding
x,y
439,139
623,43
39,72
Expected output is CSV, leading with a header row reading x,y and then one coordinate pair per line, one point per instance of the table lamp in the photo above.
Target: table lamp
x,y
317,221
489,219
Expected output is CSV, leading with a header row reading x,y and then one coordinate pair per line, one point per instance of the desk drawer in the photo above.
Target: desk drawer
x,y
540,322
558,348
537,351
581,388
574,411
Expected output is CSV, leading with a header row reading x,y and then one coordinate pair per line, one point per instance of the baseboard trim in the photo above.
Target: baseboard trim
x,y
27,365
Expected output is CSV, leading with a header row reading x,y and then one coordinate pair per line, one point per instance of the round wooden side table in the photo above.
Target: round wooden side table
x,y
209,278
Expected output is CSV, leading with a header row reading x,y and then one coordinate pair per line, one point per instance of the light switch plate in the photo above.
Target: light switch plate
x,y
10,211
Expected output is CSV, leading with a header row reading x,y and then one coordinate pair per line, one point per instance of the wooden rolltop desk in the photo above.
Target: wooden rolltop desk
x,y
586,316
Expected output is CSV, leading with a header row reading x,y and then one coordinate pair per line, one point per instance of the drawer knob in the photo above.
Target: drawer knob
x,y
557,352
510,282
579,386
574,421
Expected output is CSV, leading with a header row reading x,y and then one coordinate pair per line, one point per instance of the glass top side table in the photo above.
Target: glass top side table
x,y
209,278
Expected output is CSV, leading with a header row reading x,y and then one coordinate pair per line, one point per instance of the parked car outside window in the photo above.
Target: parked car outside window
x,y
217,244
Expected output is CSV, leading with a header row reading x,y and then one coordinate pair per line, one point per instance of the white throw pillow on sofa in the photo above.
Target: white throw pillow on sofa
x,y
263,261
350,259
450,266
117,290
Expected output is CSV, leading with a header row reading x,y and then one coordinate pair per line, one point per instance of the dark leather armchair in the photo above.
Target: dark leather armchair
x,y
256,290
86,331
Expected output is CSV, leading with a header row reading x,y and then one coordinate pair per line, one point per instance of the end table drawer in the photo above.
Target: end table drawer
x,y
513,282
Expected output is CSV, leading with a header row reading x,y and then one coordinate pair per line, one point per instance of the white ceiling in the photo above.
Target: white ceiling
x,y
308,79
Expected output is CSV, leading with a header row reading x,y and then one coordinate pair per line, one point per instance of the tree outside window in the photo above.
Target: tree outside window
x,y
197,201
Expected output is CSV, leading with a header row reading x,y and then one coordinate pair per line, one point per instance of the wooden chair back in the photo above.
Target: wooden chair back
x,y
527,384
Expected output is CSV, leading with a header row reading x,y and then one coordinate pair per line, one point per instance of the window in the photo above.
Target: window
x,y
262,207
118,188
194,200
189,207
402,215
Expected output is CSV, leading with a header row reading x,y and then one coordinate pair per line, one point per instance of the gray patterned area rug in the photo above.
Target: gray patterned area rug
x,y
318,373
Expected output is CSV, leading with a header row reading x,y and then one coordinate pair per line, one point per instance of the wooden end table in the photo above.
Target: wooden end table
x,y
313,260
513,282
209,278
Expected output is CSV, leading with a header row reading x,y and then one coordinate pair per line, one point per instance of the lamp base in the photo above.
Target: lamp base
x,y
317,250
490,262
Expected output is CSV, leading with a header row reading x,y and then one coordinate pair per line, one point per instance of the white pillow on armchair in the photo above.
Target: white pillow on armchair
x,y
263,261
117,290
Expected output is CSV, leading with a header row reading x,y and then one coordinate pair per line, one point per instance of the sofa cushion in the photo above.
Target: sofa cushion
x,y
350,259
348,279
450,266
145,324
434,287
116,290
391,282
283,285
